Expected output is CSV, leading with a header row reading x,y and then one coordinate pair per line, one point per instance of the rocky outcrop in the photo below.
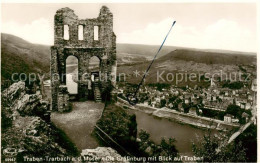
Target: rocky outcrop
x,y
11,94
101,154
30,136
16,102
27,133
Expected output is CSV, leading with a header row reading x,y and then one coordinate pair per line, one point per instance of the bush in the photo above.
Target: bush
x,y
249,142
119,125
165,148
144,136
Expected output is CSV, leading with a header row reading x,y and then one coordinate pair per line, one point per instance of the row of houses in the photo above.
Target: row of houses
x,y
214,98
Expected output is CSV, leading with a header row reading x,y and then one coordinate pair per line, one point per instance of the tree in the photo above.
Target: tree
x,y
143,135
163,103
249,142
186,107
211,149
233,110
166,148
149,102
172,99
233,85
118,124
132,127
237,112
169,147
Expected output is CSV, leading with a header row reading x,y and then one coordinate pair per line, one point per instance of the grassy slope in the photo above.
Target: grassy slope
x,y
20,56
210,57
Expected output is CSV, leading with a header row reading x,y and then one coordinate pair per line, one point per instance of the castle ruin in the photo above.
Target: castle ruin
x,y
84,39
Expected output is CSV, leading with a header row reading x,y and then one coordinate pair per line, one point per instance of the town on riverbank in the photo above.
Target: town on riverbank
x,y
221,104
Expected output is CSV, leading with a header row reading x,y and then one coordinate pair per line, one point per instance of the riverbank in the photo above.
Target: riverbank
x,y
190,119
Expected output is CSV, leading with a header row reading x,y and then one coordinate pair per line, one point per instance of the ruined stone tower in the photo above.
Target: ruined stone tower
x,y
82,38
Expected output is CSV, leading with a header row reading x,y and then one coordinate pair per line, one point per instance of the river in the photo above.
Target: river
x,y
161,127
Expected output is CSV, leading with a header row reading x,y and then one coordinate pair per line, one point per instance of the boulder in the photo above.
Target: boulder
x,y
27,104
10,98
16,102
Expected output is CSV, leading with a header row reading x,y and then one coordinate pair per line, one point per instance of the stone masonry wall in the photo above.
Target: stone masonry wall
x,y
104,48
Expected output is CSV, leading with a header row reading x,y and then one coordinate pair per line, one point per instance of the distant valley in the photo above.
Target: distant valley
x,y
20,56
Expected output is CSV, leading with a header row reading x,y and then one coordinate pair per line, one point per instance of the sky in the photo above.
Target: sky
x,y
226,26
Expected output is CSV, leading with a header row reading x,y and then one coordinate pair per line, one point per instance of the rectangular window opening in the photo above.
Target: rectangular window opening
x,y
96,32
66,35
80,32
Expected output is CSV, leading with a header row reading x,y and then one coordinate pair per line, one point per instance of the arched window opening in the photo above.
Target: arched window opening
x,y
94,67
72,74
